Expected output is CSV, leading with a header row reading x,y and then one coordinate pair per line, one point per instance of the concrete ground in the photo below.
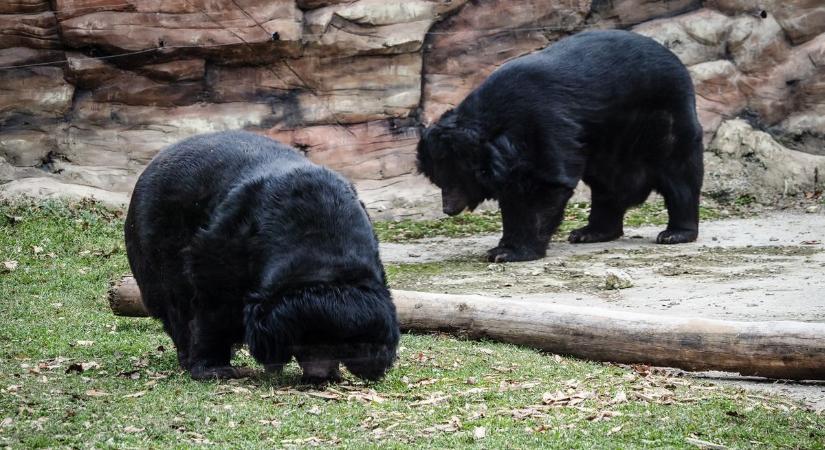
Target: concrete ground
x,y
770,267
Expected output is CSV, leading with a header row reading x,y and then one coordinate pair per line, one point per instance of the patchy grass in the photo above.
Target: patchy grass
x,y
74,375
468,224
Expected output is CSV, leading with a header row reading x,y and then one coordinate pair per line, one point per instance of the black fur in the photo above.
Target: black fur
x,y
234,237
612,108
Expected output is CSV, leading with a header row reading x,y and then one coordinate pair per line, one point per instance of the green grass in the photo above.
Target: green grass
x,y
468,224
442,390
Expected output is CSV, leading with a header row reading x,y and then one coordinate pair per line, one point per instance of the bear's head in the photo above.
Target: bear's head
x,y
452,155
323,326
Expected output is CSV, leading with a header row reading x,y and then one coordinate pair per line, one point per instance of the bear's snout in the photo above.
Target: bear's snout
x,y
453,203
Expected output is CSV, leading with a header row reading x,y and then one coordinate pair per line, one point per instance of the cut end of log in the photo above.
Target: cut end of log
x,y
124,298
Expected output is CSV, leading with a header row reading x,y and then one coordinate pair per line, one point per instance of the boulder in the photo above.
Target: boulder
x,y
627,13
462,50
181,70
801,20
26,148
24,6
312,91
37,30
695,37
773,92
373,150
252,30
33,94
756,43
352,81
373,26
743,161
47,187
718,96
19,56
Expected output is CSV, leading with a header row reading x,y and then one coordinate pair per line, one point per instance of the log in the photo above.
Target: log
x,y
124,298
775,349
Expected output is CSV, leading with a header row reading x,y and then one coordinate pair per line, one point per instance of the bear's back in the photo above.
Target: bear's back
x,y
605,68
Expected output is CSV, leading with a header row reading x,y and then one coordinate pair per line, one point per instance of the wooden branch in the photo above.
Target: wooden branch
x,y
777,349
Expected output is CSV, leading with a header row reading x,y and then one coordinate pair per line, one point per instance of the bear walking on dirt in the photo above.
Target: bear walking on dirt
x,y
612,108
233,237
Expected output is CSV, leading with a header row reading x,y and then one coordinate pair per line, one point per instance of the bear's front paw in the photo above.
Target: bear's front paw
x,y
677,236
586,235
509,254
200,372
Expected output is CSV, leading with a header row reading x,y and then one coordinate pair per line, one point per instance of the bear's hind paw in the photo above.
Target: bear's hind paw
x,y
677,236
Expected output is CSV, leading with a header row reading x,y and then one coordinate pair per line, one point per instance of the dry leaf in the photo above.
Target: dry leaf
x,y
96,393
487,351
315,411
8,266
431,401
705,444
452,426
505,386
326,395
37,249
85,343
135,395
552,398
7,422
479,433
482,412
473,391
131,429
270,422
620,397
423,382
370,396
603,415
530,411
614,430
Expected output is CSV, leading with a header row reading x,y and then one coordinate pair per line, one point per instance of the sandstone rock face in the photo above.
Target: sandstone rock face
x,y
91,90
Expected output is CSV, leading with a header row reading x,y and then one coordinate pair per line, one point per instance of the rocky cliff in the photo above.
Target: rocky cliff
x,y
90,90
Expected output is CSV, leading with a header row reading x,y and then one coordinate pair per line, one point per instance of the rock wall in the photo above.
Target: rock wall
x,y
90,90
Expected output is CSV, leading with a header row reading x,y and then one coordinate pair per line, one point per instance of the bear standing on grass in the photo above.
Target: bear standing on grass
x,y
233,237
612,108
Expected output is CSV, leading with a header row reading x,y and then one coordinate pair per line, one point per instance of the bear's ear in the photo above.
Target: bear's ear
x,y
433,144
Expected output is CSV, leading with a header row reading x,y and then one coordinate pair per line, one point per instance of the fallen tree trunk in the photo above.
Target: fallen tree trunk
x,y
777,349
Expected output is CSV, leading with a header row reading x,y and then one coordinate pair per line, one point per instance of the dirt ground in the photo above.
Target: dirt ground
x,y
770,267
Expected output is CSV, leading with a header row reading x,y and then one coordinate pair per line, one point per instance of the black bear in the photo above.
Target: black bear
x,y
233,237
612,108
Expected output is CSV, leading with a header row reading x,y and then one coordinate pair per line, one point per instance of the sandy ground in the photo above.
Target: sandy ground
x,y
770,267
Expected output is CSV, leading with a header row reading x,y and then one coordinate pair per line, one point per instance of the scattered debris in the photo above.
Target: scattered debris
x,y
617,279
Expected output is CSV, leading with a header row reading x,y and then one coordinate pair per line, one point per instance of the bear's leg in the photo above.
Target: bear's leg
x,y
214,331
682,203
681,188
174,314
528,224
605,222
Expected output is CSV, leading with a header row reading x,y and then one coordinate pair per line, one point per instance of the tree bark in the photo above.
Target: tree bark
x,y
776,349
